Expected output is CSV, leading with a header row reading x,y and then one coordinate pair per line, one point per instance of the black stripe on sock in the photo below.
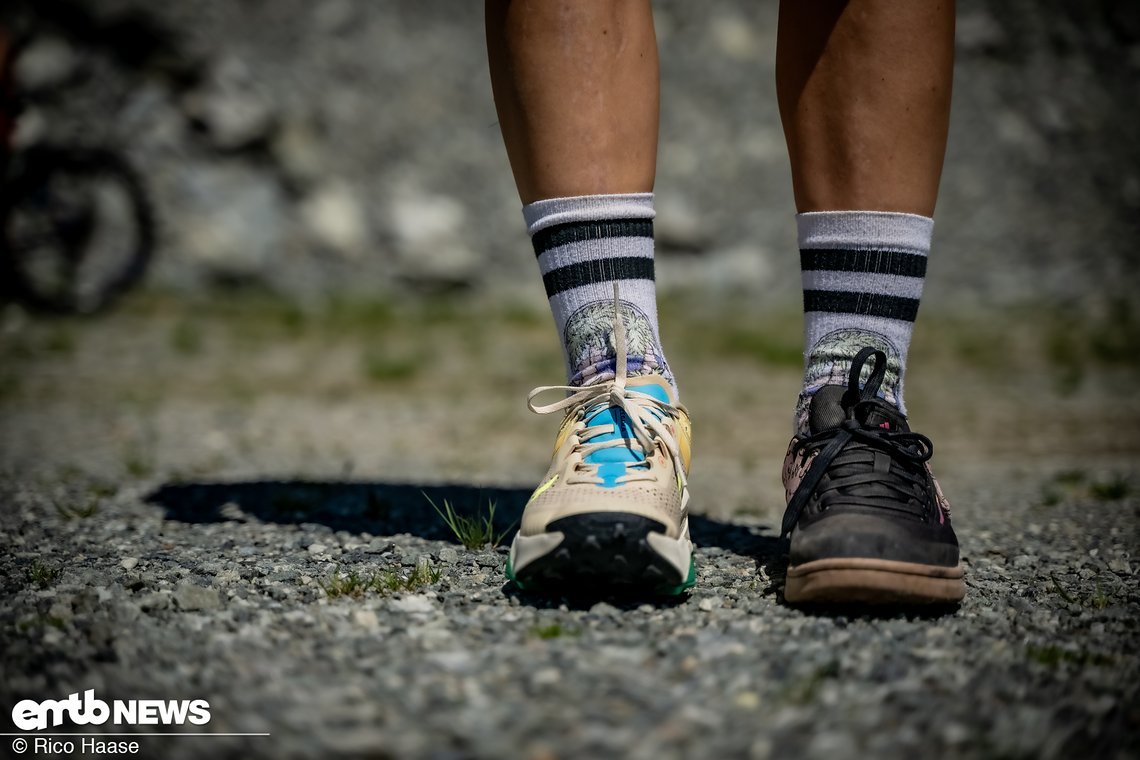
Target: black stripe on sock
x,y
578,232
867,304
592,272
870,262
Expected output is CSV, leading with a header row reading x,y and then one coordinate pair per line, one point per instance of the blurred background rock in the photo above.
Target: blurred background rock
x,y
350,147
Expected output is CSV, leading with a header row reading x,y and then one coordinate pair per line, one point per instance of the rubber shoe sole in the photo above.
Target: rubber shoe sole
x,y
607,552
873,581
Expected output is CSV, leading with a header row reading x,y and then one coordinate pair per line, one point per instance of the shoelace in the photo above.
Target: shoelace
x,y
907,447
643,411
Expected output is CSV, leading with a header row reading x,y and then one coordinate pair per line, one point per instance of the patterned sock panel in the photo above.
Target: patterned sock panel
x,y
584,245
863,273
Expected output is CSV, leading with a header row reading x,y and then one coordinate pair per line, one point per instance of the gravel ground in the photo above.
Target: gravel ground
x,y
232,511
219,495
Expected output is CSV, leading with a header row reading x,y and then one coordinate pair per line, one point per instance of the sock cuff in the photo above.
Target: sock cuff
x,y
865,230
587,208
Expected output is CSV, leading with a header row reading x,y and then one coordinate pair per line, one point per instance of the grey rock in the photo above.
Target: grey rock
x,y
428,231
61,611
710,603
234,512
679,227
233,111
604,610
45,64
488,559
414,604
154,601
190,597
334,217
231,221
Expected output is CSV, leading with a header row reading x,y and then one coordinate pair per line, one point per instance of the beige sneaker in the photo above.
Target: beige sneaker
x,y
613,507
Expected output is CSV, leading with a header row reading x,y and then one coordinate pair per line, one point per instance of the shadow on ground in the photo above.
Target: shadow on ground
x,y
354,506
381,508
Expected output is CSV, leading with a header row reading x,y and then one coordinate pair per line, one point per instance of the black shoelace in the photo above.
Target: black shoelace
x,y
849,451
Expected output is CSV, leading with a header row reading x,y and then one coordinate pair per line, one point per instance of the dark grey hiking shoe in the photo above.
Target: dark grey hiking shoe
x,y
867,520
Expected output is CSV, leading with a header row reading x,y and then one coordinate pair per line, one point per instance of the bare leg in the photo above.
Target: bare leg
x,y
576,90
864,94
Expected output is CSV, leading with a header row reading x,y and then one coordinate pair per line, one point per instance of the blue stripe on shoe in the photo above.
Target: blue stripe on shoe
x,y
622,431
656,391
610,472
612,461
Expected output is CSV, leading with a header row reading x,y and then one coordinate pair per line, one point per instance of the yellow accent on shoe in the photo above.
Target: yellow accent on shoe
x,y
542,488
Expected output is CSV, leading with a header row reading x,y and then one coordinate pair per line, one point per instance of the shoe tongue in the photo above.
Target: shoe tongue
x,y
602,413
621,429
829,408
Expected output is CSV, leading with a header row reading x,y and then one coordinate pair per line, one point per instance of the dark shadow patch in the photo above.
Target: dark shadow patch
x,y
356,507
755,541
625,600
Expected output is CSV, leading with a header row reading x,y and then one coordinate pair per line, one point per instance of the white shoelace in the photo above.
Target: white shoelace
x,y
643,411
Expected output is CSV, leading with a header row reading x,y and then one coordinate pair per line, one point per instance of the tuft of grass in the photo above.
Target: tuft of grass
x,y
10,384
138,463
1063,353
59,341
986,350
1098,600
40,574
356,585
293,320
1113,340
358,317
381,368
553,631
1061,592
1076,484
341,584
102,489
1070,478
1111,490
186,339
521,315
423,575
1052,655
477,532
442,311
